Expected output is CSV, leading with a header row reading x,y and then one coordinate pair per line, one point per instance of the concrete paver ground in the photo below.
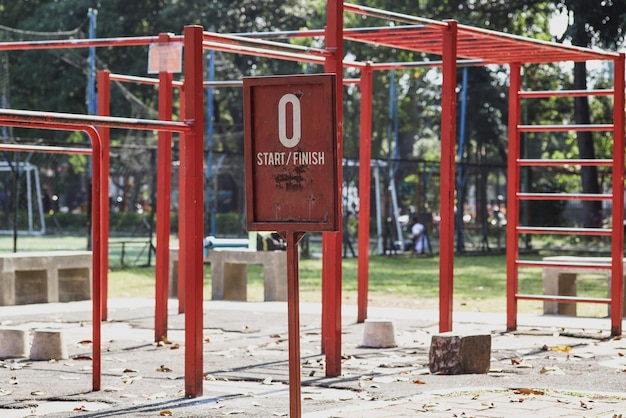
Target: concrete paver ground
x,y
551,366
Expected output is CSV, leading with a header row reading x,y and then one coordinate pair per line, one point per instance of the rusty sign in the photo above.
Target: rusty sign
x,y
291,153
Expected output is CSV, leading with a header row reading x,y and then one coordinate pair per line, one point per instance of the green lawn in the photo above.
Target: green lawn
x,y
479,280
479,285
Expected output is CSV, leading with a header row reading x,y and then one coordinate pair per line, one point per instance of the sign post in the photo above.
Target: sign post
x,y
291,175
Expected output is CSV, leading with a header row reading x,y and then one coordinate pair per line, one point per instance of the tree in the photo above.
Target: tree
x,y
591,24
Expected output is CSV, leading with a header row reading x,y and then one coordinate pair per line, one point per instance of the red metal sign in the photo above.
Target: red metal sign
x,y
291,153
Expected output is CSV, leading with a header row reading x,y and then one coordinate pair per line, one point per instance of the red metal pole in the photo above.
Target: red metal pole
x,y
331,241
97,254
293,301
365,171
164,186
104,109
181,209
512,204
191,172
447,186
617,241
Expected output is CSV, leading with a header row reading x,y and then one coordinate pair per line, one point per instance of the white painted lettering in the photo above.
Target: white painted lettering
x,y
296,130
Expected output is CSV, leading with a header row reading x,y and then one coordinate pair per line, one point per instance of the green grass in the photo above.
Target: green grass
x,y
479,281
479,284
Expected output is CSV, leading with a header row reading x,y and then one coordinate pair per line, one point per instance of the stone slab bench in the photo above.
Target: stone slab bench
x,y
558,280
44,277
229,273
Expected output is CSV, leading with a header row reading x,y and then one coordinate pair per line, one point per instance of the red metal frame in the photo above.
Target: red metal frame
x,y
164,192
447,179
96,219
448,39
616,197
365,156
103,110
331,241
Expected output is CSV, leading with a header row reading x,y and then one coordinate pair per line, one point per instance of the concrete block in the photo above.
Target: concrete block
x,y
379,333
48,344
453,353
13,342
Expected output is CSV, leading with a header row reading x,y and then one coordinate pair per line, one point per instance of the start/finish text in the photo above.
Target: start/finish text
x,y
291,158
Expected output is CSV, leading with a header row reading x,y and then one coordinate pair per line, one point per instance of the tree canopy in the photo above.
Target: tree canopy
x,y
55,80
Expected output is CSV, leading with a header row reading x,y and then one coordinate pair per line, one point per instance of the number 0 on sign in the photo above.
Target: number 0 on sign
x,y
291,153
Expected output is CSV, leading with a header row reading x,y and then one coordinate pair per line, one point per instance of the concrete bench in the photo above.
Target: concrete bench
x,y
561,281
229,273
42,277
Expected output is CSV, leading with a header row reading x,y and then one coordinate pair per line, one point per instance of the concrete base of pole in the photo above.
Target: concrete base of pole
x,y
48,344
379,333
13,342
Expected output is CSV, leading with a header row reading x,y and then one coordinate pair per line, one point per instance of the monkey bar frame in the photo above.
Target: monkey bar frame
x,y
457,45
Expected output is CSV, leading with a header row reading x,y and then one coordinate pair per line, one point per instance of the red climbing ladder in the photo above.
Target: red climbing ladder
x,y
616,197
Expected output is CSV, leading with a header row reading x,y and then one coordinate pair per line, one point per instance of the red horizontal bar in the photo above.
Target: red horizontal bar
x,y
562,128
546,162
563,93
83,43
384,14
418,64
263,44
284,34
563,196
260,52
563,231
563,299
24,118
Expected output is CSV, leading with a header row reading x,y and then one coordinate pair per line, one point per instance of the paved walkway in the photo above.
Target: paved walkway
x,y
552,366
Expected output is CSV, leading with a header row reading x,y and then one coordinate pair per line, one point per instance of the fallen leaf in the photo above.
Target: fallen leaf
x,y
175,347
36,393
163,369
84,342
419,382
528,391
563,348
275,336
129,371
82,358
166,413
207,340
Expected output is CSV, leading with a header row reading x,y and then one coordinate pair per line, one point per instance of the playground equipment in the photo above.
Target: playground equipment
x,y
457,45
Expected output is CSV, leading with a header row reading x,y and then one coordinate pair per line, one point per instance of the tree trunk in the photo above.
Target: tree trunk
x,y
592,216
